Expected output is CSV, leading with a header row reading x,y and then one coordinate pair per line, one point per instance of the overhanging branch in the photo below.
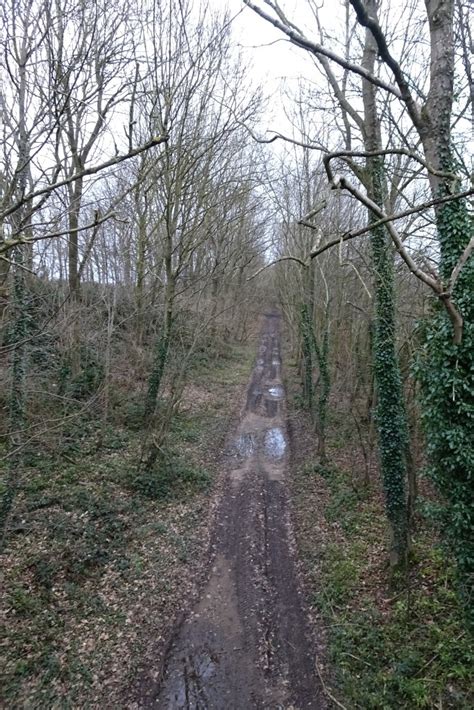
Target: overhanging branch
x,y
298,39
84,173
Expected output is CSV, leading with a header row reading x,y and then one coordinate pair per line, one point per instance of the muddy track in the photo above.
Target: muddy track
x,y
245,644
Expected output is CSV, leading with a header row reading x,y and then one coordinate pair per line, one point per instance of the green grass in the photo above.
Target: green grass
x,y
391,646
418,656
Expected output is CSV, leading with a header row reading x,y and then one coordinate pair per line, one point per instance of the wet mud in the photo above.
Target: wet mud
x,y
246,642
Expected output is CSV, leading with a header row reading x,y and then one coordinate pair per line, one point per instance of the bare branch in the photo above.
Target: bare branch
x,y
317,49
277,261
10,243
387,151
405,94
457,269
84,173
434,283
388,218
279,136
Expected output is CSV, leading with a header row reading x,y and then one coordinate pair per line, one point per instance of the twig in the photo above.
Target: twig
x,y
300,40
18,266
389,151
327,691
356,658
120,158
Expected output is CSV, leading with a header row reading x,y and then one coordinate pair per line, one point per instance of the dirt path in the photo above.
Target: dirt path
x,y
245,643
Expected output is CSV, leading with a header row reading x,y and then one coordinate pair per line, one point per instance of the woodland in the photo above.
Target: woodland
x,y
150,215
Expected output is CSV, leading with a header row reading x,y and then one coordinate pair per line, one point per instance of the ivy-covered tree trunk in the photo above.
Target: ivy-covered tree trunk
x,y
446,368
322,352
20,223
306,329
447,392
142,244
75,199
390,412
17,414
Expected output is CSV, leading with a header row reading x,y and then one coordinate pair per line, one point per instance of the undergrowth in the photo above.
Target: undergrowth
x,y
99,557
408,648
391,643
171,477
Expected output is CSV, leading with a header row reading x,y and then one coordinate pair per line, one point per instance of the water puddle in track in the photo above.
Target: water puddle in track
x,y
190,685
275,443
276,392
207,651
271,407
251,601
245,445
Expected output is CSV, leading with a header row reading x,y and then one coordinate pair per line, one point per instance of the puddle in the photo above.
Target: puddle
x,y
189,687
245,445
205,654
276,391
275,443
254,398
271,407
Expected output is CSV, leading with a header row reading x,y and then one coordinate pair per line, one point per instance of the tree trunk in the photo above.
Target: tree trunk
x,y
390,415
446,366
75,198
17,413
324,385
161,353
307,353
17,407
140,282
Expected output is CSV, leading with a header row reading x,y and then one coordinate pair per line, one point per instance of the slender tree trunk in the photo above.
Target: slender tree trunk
x,y
4,290
140,282
390,414
17,411
322,352
161,352
111,308
75,198
307,352
19,322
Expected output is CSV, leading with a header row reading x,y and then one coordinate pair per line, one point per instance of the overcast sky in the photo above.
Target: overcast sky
x,y
274,62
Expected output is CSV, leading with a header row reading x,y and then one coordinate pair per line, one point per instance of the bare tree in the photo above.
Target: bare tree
x,y
427,113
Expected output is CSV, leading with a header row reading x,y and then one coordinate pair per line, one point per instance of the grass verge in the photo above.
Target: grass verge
x,y
390,643
99,563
